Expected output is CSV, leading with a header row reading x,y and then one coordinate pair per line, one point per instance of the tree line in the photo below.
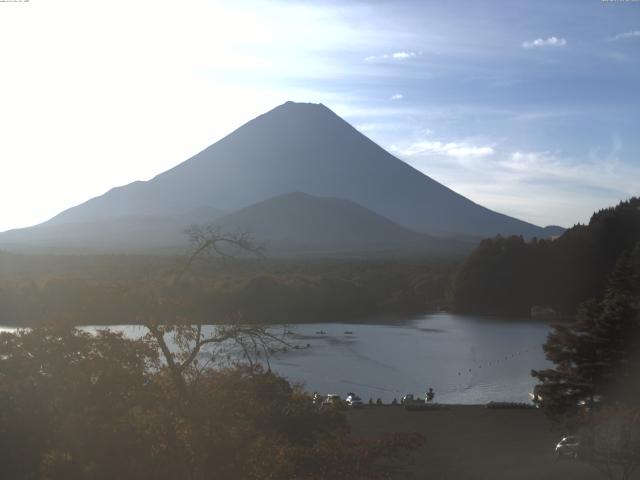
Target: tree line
x,y
115,289
508,275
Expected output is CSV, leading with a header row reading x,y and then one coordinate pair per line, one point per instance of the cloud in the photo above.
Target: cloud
x,y
397,96
619,57
603,172
400,56
403,55
532,163
542,42
450,149
543,187
625,35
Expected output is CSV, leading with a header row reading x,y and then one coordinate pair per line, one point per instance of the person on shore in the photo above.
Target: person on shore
x,y
430,395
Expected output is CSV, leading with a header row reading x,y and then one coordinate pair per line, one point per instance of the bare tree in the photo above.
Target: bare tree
x,y
208,240
186,342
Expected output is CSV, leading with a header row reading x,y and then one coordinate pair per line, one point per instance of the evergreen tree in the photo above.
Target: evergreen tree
x,y
597,359
509,275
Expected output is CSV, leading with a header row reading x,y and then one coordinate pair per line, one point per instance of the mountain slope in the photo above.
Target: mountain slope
x,y
305,148
292,224
298,221
302,218
127,233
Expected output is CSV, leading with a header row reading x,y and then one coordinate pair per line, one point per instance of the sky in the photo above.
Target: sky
x,y
530,108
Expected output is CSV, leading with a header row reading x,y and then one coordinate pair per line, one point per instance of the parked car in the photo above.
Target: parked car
x,y
353,400
569,446
408,399
332,399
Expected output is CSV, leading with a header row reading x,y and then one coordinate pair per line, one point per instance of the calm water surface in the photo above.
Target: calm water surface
x,y
465,359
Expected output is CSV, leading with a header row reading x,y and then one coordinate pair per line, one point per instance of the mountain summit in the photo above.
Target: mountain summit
x,y
300,147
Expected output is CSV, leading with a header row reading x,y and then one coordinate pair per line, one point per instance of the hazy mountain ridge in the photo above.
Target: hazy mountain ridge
x,y
302,218
292,224
298,221
110,234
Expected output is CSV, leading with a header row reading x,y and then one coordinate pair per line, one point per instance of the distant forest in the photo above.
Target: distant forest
x,y
510,276
127,289
503,276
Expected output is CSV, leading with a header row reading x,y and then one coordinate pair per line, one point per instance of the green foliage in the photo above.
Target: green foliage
x,y
126,289
67,406
597,359
501,276
510,276
78,406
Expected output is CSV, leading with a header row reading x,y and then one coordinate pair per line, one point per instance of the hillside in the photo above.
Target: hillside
x,y
120,234
510,275
298,222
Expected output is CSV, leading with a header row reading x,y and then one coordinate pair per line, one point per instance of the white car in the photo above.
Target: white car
x,y
332,399
354,401
569,446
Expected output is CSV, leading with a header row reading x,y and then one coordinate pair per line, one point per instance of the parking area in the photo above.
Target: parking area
x,y
472,442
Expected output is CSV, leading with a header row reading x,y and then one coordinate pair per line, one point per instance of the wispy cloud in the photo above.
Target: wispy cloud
x,y
392,56
625,35
620,57
533,185
545,42
397,96
450,149
602,172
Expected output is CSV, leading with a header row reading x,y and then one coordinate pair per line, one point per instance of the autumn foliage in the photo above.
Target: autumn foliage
x,y
76,406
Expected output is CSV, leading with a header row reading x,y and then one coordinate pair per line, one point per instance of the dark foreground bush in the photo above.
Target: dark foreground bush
x,y
81,406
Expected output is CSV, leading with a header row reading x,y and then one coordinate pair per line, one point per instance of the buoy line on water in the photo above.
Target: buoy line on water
x,y
471,374
503,358
454,387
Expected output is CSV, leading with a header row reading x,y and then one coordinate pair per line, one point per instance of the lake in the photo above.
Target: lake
x,y
465,359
